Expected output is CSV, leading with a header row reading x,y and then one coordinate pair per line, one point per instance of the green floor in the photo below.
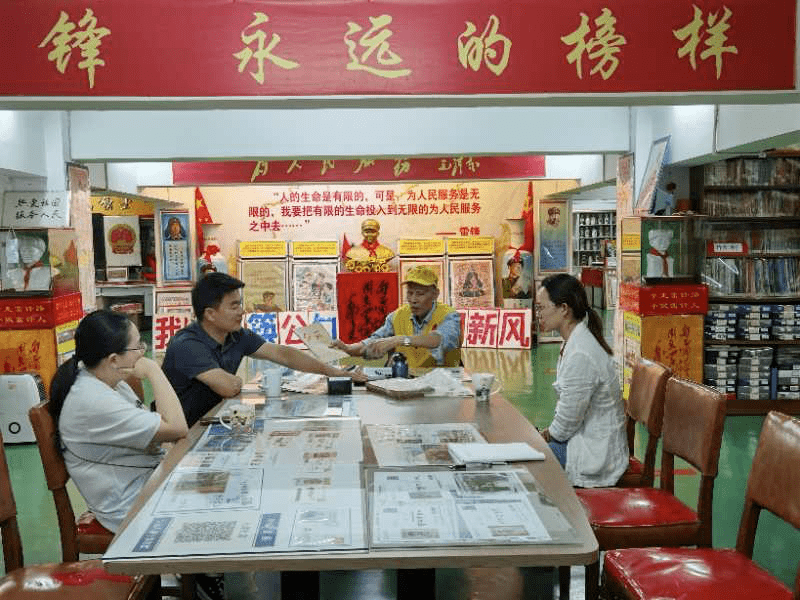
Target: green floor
x,y
527,380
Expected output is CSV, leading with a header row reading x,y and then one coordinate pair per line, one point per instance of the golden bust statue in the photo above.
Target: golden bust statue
x,y
370,254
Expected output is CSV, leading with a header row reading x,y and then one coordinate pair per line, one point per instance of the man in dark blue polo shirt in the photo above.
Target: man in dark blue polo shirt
x,y
203,357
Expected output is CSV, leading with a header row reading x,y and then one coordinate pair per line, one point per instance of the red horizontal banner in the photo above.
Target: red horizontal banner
x,y
680,299
227,48
39,313
400,169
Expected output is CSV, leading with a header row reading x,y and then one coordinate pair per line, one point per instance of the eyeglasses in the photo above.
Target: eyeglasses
x,y
142,346
541,307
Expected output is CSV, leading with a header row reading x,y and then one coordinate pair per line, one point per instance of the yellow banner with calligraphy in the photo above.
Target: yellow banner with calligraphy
x,y
263,249
65,337
118,205
329,248
676,341
470,245
631,234
428,247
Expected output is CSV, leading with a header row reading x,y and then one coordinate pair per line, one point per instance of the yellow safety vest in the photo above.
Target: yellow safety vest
x,y
422,357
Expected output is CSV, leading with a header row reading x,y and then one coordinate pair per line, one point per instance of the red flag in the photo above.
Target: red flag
x,y
527,214
345,247
201,217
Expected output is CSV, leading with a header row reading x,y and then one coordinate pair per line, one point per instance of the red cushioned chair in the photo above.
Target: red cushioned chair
x,y
66,580
694,416
729,574
645,405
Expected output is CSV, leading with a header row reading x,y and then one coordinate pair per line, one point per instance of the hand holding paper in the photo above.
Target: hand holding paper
x,y
318,340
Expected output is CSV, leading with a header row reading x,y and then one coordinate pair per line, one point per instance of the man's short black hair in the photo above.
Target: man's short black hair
x,y
209,291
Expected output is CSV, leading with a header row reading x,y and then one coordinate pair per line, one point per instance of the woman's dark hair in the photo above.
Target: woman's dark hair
x,y
209,291
565,289
99,334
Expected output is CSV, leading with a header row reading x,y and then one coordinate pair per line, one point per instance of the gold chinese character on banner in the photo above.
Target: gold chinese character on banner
x,y
374,44
602,47
401,166
295,164
476,50
86,36
714,41
262,52
326,164
261,168
363,164
456,165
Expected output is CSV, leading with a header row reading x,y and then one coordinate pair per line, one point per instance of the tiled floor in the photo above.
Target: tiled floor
x,y
527,379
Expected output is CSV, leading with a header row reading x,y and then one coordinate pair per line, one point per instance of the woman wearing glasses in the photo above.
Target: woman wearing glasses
x,y
587,433
109,440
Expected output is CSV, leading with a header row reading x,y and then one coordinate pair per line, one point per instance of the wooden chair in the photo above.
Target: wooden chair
x,y
645,405
701,573
86,535
74,580
694,416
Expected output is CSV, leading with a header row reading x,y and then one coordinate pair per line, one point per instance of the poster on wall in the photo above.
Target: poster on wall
x,y
176,262
655,161
313,285
122,240
364,301
81,220
553,235
406,264
265,285
472,283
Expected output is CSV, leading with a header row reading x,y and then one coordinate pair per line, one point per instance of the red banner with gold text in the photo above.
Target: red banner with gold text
x,y
386,169
222,48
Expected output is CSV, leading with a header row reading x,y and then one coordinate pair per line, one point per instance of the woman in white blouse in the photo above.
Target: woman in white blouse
x,y
587,433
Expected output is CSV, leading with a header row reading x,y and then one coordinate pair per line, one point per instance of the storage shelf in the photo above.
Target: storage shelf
x,y
753,299
762,407
710,342
788,219
754,187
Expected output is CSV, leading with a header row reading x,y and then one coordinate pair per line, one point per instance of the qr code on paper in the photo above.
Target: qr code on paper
x,y
208,531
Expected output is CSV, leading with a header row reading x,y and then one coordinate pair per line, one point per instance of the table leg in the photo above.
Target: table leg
x,y
416,584
300,585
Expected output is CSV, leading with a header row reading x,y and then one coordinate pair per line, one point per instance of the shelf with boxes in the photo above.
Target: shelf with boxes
x,y
752,354
592,231
750,261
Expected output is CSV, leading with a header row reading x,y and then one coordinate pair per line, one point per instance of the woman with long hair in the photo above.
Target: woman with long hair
x,y
109,440
587,433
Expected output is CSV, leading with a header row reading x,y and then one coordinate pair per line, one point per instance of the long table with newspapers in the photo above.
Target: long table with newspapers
x,y
352,482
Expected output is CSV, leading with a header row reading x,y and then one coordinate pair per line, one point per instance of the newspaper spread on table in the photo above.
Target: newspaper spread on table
x,y
421,508
291,485
420,444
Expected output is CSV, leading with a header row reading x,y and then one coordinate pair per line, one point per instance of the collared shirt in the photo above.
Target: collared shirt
x,y
590,412
192,352
449,330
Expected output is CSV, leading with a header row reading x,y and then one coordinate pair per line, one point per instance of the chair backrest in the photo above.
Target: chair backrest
x,y
56,476
694,417
645,405
12,542
774,480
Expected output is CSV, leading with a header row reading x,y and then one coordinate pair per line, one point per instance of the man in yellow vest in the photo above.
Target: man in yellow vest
x,y
428,333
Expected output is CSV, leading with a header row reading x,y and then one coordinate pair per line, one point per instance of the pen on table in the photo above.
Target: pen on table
x,y
476,465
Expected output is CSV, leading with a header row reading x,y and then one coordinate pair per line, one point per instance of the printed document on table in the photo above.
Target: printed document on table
x,y
423,508
291,485
420,444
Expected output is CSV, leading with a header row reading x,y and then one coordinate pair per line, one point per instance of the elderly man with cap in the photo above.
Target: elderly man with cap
x,y
427,332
